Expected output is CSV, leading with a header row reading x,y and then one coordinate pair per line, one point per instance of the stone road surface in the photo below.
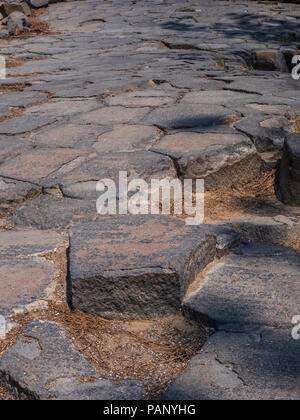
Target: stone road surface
x,y
160,89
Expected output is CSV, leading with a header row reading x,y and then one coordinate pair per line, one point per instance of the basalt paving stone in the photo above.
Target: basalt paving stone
x,y
258,365
62,108
220,159
127,138
267,134
81,182
258,285
276,230
218,97
22,98
135,267
186,116
43,364
14,193
140,99
50,212
37,164
25,283
21,125
67,135
11,147
115,115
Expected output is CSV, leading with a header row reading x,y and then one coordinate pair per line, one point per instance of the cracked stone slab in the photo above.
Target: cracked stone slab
x,y
141,98
220,159
219,97
80,183
26,283
62,108
114,115
258,365
188,116
44,365
11,147
14,193
135,266
23,124
35,165
257,285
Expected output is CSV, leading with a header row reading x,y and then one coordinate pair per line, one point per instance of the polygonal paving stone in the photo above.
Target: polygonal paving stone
x,y
50,212
14,193
62,108
126,138
259,365
11,147
141,98
115,115
185,116
37,164
259,285
81,182
25,283
67,135
23,124
136,266
221,159
43,364
218,97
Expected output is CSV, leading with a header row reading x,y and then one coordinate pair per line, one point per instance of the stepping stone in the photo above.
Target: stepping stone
x,y
134,267
35,165
258,285
43,365
288,178
188,116
258,365
14,193
222,160
278,230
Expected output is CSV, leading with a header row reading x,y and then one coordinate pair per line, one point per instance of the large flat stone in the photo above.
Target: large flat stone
x,y
35,165
43,364
115,115
258,365
259,285
222,160
188,116
135,266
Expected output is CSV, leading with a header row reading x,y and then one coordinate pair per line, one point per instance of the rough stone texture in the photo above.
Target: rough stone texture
x,y
259,285
135,266
258,365
270,60
222,160
276,230
14,193
288,179
43,364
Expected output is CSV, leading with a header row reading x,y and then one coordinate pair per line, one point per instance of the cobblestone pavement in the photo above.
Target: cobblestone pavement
x,y
160,89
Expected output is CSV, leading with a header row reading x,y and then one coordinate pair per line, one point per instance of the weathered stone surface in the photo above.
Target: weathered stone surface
x,y
43,364
259,285
270,60
14,193
278,230
222,160
81,182
218,97
21,125
288,179
49,212
115,115
127,138
16,22
138,266
258,365
37,164
25,283
62,108
187,116
12,147
141,98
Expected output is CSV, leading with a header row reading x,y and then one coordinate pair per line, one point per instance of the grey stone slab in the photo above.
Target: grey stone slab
x,y
23,124
11,147
259,285
43,364
258,365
